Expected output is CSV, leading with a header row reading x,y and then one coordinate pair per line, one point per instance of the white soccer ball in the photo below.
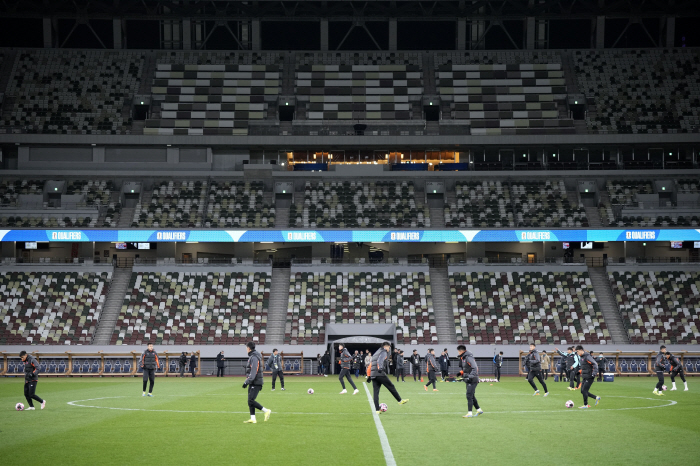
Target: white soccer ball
x,y
19,407
664,387
310,391
569,404
383,407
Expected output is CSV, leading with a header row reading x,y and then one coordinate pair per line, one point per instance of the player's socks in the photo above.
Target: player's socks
x,y
674,386
43,404
597,400
537,392
686,386
267,413
343,392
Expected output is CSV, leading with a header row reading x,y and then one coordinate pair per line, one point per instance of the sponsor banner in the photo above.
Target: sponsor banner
x,y
330,236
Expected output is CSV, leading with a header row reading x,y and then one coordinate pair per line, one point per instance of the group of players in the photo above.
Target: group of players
x,y
579,364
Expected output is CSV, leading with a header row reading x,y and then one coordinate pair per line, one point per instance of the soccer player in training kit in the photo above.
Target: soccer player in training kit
x,y
571,360
602,365
659,368
400,363
379,368
470,374
498,362
31,378
676,370
589,370
532,361
274,362
415,362
254,382
430,368
149,363
345,364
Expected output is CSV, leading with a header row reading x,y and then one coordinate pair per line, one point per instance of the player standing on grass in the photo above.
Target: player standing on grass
x,y
379,368
498,362
659,368
589,370
430,368
31,379
415,362
470,374
532,361
675,370
571,360
345,364
149,363
274,362
254,382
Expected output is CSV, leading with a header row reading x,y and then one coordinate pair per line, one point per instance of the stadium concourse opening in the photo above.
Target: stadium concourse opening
x,y
360,337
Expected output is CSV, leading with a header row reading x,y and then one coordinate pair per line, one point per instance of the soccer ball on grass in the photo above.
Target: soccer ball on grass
x,y
310,391
664,387
569,404
19,407
383,407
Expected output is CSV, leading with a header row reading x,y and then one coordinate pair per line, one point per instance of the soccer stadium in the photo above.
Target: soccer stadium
x,y
399,232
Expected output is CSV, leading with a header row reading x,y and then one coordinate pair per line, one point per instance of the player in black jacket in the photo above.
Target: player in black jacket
x,y
498,362
659,368
675,370
220,364
602,365
470,375
589,369
254,382
431,368
345,365
379,369
532,361
149,363
31,378
415,363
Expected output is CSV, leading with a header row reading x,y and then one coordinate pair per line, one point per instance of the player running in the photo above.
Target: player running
x,y
345,365
589,370
254,382
676,370
379,369
532,361
659,368
470,374
430,368
149,363
31,379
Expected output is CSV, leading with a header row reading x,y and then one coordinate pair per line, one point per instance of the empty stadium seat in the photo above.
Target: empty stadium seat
x,y
172,204
238,204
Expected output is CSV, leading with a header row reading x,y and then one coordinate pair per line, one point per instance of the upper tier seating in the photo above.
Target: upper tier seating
x,y
501,94
238,204
659,307
73,91
50,307
640,91
194,308
350,204
521,307
358,86
360,297
545,204
480,204
214,92
173,204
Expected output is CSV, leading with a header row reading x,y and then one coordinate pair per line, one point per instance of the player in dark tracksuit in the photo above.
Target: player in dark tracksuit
x,y
400,363
430,368
532,361
415,363
150,363
274,362
589,370
31,379
379,368
345,365
676,370
602,364
659,368
254,382
470,375
498,362
571,359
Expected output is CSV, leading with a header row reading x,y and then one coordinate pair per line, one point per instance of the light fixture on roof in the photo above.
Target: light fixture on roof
x,y
286,103
132,190
575,101
168,145
141,103
93,145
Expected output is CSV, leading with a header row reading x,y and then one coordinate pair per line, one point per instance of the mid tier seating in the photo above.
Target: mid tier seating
x,y
316,298
659,307
689,185
623,192
50,307
51,220
173,204
480,204
98,193
10,190
339,204
512,307
238,204
73,91
545,204
178,308
640,91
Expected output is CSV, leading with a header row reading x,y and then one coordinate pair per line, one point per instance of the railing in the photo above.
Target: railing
x,y
348,261
47,260
200,262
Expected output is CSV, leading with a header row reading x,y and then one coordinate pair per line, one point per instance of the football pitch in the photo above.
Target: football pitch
x,y
200,421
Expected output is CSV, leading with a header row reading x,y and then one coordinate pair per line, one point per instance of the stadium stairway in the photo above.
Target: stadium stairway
x,y
442,305
126,217
112,306
608,305
277,312
593,217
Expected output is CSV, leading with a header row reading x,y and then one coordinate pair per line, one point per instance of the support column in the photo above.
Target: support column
x,y
461,34
530,33
48,33
324,34
393,34
255,35
117,33
186,34
670,31
600,33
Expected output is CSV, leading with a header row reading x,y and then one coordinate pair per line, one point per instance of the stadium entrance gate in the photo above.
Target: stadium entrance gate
x,y
358,337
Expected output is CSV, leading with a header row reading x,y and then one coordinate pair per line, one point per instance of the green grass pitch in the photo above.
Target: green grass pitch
x,y
200,421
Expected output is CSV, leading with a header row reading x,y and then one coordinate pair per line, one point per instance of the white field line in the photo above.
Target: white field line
x,y
386,448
